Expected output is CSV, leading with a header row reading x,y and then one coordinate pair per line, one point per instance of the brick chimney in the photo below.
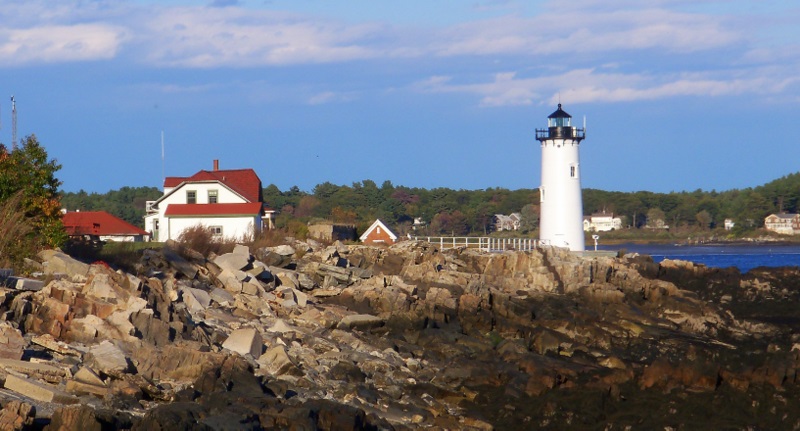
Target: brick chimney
x,y
216,164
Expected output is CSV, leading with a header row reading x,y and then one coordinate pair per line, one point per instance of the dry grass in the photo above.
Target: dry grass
x,y
17,236
202,240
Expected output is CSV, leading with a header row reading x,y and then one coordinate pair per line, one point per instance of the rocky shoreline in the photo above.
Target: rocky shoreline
x,y
304,336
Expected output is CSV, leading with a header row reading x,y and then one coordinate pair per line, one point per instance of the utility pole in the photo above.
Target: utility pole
x,y
13,122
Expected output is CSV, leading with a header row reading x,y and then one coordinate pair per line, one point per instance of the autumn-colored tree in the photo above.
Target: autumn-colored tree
x,y
27,170
341,215
306,206
704,219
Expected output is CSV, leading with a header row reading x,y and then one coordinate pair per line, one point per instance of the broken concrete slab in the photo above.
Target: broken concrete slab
x,y
277,362
54,261
285,277
49,342
229,281
21,283
37,390
221,296
196,300
245,341
44,371
88,376
107,358
232,261
79,388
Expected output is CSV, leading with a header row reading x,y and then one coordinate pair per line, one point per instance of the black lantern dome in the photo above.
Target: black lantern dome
x,y
559,126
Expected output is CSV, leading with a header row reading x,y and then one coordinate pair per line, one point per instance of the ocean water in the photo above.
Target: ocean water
x,y
744,257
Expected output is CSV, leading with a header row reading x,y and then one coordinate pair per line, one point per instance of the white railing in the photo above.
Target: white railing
x,y
484,242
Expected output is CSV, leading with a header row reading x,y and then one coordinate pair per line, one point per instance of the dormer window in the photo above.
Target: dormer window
x,y
191,196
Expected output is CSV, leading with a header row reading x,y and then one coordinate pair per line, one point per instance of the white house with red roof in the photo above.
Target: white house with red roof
x,y
229,202
100,225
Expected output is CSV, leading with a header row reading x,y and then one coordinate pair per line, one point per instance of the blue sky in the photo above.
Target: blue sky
x,y
677,94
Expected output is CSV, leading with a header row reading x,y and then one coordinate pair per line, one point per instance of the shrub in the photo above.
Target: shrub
x,y
269,238
201,239
17,234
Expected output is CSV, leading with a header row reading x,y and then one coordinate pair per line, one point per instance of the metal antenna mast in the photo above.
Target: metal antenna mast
x,y
13,123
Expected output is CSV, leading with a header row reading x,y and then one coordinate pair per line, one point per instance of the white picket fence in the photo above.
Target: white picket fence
x,y
483,242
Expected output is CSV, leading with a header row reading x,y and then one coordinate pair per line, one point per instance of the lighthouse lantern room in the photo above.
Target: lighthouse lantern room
x,y
561,205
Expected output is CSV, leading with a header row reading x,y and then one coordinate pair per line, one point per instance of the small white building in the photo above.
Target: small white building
x,y
601,222
229,202
729,224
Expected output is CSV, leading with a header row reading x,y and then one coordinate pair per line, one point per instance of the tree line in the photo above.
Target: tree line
x,y
446,211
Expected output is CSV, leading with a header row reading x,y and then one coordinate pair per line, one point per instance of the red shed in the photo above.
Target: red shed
x,y
378,233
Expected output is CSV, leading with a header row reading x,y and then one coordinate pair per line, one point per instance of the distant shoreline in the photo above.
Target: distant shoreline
x,y
717,242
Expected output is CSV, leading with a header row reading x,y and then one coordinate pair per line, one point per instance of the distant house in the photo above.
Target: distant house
x,y
102,226
378,233
729,224
229,202
788,224
658,223
601,222
507,222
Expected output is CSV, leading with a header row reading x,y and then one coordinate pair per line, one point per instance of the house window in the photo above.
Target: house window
x,y
191,196
216,230
378,229
212,196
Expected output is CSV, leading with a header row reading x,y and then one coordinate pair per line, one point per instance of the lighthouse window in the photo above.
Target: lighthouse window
x,y
572,171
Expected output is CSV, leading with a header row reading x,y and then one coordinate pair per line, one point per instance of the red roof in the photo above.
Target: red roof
x,y
97,223
242,181
253,208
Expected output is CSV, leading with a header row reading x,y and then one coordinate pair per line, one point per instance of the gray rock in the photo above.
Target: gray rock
x,y
196,300
232,261
245,341
107,358
221,296
229,281
54,261
360,321
176,261
284,250
242,250
276,361
26,284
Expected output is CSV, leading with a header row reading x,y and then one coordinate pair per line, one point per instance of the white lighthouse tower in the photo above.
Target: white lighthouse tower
x,y
561,218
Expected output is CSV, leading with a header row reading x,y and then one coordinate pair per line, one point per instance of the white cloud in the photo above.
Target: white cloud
x,y
330,97
236,37
60,43
589,86
588,32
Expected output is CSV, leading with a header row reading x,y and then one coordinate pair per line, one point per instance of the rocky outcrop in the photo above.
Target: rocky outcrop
x,y
404,337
